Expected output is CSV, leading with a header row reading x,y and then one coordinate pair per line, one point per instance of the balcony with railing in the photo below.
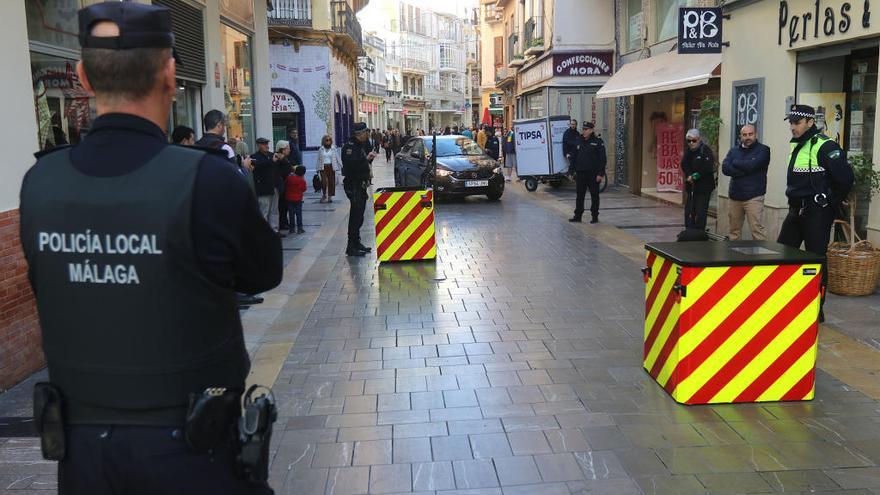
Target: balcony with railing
x,y
504,76
345,22
393,99
371,88
290,13
451,59
414,64
491,13
533,36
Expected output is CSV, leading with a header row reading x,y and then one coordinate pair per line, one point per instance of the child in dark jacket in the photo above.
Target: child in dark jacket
x,y
295,187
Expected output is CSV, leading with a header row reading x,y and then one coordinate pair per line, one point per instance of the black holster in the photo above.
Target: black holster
x,y
210,418
49,421
255,434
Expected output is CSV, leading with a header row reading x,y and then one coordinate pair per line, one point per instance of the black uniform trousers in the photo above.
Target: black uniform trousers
x,y
810,226
146,460
696,209
283,222
388,154
586,181
357,194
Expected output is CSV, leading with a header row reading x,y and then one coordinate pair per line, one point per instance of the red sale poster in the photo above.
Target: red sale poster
x,y
670,143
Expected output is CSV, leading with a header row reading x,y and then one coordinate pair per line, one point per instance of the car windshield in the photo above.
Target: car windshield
x,y
458,146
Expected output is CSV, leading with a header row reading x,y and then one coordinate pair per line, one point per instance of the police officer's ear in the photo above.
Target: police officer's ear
x,y
168,77
83,79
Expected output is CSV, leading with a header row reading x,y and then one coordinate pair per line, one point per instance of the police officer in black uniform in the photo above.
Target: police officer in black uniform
x,y
356,172
588,161
819,180
135,251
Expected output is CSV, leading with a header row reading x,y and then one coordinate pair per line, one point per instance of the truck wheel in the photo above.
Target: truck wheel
x,y
531,184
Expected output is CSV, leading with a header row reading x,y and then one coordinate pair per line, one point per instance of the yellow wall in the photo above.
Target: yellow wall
x,y
754,52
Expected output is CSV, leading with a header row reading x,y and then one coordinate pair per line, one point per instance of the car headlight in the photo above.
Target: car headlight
x,y
443,173
497,170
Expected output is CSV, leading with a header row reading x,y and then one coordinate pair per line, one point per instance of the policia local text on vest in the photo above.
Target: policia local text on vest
x,y
135,251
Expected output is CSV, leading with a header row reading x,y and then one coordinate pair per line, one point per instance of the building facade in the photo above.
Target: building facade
x,y
788,51
372,83
221,44
313,67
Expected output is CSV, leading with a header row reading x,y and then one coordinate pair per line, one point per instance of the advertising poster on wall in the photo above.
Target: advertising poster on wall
x,y
830,114
670,143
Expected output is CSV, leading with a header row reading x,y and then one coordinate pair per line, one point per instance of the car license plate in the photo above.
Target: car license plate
x,y
476,183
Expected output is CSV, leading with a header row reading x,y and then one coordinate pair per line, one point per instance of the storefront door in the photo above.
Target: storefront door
x,y
861,97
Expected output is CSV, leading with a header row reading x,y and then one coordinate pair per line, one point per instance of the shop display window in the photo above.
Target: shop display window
x,y
238,84
64,110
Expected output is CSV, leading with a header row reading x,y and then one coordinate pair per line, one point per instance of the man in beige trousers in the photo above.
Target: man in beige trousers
x,y
746,165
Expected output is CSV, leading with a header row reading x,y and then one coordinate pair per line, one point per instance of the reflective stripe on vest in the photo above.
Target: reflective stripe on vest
x,y
808,156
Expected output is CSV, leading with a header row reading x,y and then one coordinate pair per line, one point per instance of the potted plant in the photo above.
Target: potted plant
x,y
854,265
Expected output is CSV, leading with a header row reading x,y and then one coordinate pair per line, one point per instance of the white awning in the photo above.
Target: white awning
x,y
663,72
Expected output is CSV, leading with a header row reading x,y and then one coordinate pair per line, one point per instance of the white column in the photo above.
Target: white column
x,y
16,88
212,96
261,74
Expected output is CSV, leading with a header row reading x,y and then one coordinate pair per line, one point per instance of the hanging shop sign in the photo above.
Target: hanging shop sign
x,y
587,63
699,30
820,19
284,103
669,151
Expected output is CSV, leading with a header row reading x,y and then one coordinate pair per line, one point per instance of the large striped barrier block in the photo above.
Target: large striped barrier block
x,y
725,334
404,219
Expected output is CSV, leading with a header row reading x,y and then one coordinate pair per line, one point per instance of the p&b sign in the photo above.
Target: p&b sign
x,y
699,30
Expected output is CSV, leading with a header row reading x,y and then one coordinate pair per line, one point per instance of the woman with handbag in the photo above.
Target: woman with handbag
x,y
328,163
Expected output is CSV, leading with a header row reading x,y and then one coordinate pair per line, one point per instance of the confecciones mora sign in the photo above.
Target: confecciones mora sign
x,y
824,19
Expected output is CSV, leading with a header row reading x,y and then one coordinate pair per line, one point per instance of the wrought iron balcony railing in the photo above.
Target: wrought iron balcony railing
x,y
290,12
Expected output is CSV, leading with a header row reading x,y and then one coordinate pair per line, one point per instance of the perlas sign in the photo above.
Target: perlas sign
x,y
821,20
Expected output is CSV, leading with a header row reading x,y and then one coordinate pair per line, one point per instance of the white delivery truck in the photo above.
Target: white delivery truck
x,y
539,156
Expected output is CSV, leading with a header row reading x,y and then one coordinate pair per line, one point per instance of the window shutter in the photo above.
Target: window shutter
x,y
499,50
189,39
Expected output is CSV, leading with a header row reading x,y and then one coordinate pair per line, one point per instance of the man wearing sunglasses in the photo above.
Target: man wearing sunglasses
x,y
698,167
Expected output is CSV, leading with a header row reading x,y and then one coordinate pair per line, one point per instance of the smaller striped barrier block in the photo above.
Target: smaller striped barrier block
x,y
736,322
404,219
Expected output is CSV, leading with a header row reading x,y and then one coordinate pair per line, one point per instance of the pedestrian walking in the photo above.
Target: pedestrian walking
x,y
492,145
266,180
589,159
395,142
183,135
215,128
818,182
698,167
356,177
747,165
140,316
509,155
295,188
386,145
467,133
327,164
482,136
284,169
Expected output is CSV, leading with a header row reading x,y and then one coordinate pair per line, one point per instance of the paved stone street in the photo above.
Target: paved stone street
x,y
511,366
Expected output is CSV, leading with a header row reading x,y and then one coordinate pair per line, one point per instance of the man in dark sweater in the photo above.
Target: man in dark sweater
x,y
266,179
698,167
570,141
746,165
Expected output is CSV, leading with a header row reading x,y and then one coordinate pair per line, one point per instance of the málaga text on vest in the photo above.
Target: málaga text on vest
x,y
97,244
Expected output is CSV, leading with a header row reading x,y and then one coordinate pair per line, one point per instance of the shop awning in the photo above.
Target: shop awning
x,y
663,72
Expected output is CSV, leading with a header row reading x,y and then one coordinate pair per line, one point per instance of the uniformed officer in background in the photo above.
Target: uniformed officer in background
x,y
819,180
356,177
588,165
135,251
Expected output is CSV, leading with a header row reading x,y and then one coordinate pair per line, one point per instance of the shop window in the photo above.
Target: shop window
x,y
185,108
63,107
53,22
238,84
666,13
634,16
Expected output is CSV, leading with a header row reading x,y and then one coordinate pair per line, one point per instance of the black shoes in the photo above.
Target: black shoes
x,y
595,220
364,248
575,219
353,251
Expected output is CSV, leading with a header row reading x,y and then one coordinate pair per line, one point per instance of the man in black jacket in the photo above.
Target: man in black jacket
x,y
570,141
588,160
746,165
356,177
698,167
140,313
266,179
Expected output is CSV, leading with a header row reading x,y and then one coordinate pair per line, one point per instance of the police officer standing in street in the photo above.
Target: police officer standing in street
x,y
588,161
135,251
819,180
356,177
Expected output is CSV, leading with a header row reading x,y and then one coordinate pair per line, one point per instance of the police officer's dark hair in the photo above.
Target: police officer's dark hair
x,y
129,74
212,119
180,133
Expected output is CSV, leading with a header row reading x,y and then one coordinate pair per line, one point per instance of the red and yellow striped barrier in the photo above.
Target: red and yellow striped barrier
x,y
404,224
731,334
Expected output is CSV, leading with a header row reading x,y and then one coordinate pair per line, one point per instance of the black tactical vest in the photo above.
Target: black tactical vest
x,y
128,319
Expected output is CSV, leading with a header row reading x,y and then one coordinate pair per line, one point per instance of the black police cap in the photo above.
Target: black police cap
x,y
588,125
140,26
798,112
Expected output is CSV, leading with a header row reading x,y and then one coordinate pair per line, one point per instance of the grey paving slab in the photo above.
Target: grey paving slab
x,y
433,476
451,448
395,478
477,473
520,470
489,445
416,449
348,481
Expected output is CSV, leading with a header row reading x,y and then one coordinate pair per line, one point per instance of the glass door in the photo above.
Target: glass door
x,y
861,95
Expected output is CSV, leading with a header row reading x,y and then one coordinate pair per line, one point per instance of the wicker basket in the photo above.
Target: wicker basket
x,y
853,267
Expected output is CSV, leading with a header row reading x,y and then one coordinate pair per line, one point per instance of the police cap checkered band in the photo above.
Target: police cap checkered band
x,y
798,112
